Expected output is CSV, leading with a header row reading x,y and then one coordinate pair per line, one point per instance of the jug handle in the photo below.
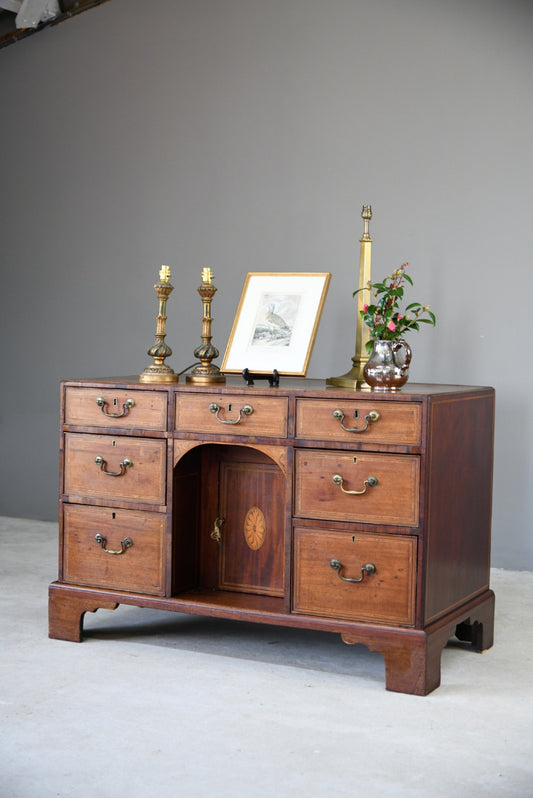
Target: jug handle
x,y
408,354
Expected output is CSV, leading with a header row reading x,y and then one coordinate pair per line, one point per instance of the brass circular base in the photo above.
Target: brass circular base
x,y
154,376
209,379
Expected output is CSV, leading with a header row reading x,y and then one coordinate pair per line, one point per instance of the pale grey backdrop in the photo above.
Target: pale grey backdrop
x,y
246,135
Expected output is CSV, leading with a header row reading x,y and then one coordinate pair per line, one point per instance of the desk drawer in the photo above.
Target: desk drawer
x,y
324,478
138,536
365,421
231,415
102,407
387,595
121,468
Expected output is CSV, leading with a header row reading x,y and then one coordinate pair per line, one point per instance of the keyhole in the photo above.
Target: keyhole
x,y
229,408
356,413
115,401
114,443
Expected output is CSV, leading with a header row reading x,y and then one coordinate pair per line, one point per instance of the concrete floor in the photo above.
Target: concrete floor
x,y
161,704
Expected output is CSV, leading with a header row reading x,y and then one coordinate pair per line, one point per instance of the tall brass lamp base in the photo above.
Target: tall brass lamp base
x,y
355,378
158,371
206,373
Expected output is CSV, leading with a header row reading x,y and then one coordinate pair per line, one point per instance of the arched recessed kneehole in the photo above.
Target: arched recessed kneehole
x,y
230,525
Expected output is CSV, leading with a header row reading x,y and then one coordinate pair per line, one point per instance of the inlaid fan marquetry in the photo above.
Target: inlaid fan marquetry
x,y
254,528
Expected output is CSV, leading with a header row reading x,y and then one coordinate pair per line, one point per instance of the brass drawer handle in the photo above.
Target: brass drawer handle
x,y
369,568
372,416
127,405
125,464
247,410
124,544
370,482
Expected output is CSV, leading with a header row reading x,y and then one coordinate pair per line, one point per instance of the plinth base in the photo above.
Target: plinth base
x,y
412,656
153,374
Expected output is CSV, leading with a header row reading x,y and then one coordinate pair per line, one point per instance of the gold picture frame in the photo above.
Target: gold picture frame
x,y
276,323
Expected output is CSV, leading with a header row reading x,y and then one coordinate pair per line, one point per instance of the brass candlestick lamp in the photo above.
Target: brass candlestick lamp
x,y
206,372
355,378
158,371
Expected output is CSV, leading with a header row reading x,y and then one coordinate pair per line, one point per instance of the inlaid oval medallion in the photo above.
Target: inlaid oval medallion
x,y
254,528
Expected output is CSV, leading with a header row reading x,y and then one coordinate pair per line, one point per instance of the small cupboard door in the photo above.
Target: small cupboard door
x,y
250,522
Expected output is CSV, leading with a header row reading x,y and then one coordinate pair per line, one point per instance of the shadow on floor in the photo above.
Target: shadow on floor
x,y
300,648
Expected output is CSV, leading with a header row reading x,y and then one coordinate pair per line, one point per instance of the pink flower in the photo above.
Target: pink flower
x,y
365,308
399,316
391,325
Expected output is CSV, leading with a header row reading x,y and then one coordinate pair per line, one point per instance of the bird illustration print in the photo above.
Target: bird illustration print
x,y
276,322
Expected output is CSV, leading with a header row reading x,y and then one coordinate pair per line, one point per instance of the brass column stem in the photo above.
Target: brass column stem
x,y
355,378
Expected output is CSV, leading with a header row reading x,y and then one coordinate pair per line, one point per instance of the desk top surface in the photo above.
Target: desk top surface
x,y
288,385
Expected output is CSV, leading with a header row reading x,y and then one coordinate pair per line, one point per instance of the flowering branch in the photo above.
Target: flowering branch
x,y
382,315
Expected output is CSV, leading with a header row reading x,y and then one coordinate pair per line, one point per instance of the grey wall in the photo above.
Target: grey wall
x,y
246,135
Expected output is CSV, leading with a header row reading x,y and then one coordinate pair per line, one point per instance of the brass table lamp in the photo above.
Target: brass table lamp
x,y
158,371
206,372
355,378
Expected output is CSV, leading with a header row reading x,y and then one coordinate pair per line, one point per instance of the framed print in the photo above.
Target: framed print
x,y
276,322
